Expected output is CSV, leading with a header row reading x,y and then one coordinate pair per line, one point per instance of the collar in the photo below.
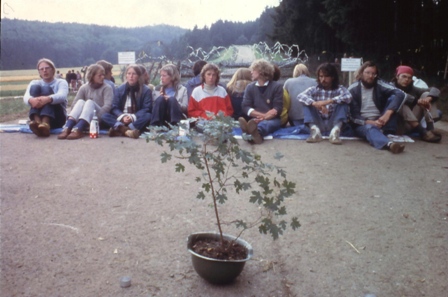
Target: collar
x,y
265,84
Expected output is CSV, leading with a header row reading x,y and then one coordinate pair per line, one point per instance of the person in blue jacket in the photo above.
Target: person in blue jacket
x,y
131,107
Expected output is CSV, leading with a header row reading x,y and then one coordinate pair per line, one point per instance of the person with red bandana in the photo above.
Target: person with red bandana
x,y
419,103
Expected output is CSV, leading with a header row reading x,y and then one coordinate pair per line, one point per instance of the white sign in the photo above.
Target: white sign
x,y
350,64
126,57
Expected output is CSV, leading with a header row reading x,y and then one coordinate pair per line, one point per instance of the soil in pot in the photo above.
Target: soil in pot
x,y
212,248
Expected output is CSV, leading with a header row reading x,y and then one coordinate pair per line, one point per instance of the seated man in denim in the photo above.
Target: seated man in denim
x,y
262,102
47,98
374,107
325,105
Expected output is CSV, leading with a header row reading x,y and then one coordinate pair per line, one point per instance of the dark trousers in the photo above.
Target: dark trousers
x,y
166,111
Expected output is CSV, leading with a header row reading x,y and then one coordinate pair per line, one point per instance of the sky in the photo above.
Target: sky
x,y
136,13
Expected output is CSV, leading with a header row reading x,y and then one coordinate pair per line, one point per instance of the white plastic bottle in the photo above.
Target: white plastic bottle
x,y
94,127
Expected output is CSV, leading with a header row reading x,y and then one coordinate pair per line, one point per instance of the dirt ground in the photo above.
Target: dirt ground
x,y
78,215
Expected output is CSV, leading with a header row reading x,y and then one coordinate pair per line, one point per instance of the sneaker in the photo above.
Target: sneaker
x,y
132,133
430,136
243,124
252,129
315,136
75,134
64,133
34,127
396,148
334,136
44,129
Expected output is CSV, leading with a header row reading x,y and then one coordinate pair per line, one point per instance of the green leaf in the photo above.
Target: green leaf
x,y
201,195
206,187
221,198
179,167
295,224
165,157
256,197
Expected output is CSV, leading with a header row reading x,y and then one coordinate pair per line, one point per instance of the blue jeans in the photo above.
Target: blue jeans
x,y
375,136
313,117
55,112
166,111
267,127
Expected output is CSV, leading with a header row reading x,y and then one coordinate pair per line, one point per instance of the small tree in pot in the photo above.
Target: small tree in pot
x,y
226,167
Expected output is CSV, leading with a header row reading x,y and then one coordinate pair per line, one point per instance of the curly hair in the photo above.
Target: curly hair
x,y
264,68
208,67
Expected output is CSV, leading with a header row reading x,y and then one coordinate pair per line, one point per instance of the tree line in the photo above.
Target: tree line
x,y
392,32
412,32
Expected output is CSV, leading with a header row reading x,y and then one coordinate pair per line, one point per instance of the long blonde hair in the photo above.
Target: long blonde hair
x,y
240,79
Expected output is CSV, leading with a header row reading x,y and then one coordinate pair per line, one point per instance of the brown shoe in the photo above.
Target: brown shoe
x,y
64,133
44,129
431,137
252,129
119,131
132,133
396,148
34,127
243,124
436,132
75,134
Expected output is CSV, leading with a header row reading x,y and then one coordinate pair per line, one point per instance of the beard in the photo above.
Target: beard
x,y
368,85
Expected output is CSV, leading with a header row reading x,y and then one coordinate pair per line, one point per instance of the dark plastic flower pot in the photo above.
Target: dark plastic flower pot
x,y
213,270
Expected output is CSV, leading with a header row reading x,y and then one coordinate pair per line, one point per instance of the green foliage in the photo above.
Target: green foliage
x,y
226,169
69,44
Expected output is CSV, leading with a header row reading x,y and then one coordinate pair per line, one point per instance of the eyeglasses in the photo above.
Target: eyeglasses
x,y
370,74
44,68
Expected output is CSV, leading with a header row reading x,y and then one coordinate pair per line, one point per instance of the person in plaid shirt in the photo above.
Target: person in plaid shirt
x,y
325,105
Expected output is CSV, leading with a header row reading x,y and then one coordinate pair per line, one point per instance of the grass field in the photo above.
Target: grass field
x,y
14,82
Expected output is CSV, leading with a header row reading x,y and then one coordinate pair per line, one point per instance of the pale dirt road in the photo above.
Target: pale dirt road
x,y
78,215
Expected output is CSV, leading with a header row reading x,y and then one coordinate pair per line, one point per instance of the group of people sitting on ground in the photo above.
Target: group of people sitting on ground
x,y
369,108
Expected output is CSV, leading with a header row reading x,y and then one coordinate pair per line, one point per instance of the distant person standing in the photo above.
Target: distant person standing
x,y
73,80
196,80
68,77
83,71
300,81
47,98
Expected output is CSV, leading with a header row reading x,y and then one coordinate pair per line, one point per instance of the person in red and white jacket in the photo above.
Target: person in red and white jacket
x,y
209,96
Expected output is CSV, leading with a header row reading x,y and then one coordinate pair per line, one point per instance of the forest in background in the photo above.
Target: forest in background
x,y
392,32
